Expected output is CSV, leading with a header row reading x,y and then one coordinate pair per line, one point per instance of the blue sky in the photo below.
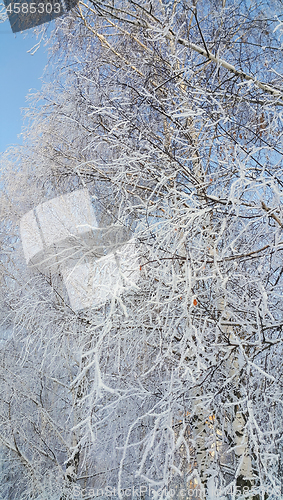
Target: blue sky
x,y
19,72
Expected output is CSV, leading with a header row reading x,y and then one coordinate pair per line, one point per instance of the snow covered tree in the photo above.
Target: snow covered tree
x,y
170,115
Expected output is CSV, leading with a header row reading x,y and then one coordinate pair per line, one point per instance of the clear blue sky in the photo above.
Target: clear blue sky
x,y
19,72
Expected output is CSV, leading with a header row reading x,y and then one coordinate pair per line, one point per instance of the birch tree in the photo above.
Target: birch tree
x,y
170,114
